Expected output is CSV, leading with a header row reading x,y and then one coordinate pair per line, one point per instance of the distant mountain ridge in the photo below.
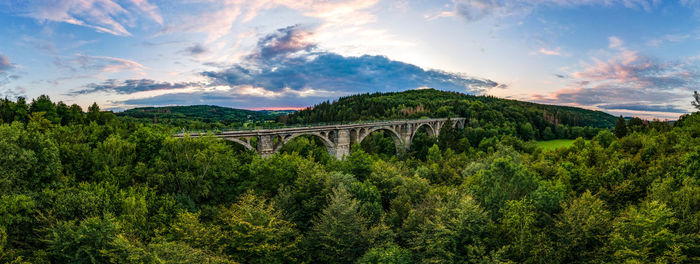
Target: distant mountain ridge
x,y
203,113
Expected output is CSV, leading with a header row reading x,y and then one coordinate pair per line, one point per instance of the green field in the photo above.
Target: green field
x,y
555,143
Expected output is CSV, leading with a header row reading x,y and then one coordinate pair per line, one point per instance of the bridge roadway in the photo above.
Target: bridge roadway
x,y
336,138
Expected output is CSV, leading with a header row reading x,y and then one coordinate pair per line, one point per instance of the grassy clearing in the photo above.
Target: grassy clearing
x,y
555,143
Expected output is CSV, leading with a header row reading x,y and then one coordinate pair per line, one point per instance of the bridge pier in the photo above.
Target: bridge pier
x,y
341,143
265,146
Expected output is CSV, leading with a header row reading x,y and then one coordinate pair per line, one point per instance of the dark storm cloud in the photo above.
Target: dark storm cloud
x,y
130,86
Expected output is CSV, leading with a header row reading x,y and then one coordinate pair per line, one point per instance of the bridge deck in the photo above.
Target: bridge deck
x,y
311,128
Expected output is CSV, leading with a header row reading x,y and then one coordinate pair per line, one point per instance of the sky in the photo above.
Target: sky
x,y
625,57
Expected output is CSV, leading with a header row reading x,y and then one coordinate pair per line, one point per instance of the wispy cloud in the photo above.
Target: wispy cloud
x,y
5,77
106,16
614,42
130,86
5,63
99,64
551,52
220,18
668,38
474,10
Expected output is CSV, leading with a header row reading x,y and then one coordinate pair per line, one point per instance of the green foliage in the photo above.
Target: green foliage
x,y
502,180
582,229
386,255
620,127
435,103
447,227
178,115
82,242
29,159
604,138
253,232
91,188
338,233
644,234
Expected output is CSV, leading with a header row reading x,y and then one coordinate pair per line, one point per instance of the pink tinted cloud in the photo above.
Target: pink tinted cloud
x,y
629,83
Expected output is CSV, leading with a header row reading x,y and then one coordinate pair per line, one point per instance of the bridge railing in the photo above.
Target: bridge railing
x,y
320,124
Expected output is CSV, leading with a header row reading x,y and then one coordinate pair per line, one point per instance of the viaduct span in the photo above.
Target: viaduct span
x,y
336,138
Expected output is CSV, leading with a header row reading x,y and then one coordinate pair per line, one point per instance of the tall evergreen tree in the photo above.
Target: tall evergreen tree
x,y
696,101
621,127
43,104
337,234
93,113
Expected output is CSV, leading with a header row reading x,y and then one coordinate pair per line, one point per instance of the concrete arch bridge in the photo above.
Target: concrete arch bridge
x,y
336,138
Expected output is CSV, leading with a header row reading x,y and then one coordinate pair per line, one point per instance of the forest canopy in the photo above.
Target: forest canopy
x,y
94,187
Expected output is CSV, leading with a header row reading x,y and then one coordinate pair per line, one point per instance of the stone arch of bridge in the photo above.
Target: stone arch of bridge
x,y
398,142
324,138
245,144
459,123
430,129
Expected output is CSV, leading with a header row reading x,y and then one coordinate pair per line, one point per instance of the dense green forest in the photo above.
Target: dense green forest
x,y
501,116
93,187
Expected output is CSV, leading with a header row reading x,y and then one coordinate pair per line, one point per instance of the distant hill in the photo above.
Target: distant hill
x,y
483,111
203,113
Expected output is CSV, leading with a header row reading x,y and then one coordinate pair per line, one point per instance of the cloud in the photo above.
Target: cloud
x,y
645,107
475,10
285,59
195,50
283,42
614,42
101,64
106,16
149,9
5,64
287,69
630,82
218,18
130,86
246,96
551,52
668,38
13,93
5,77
